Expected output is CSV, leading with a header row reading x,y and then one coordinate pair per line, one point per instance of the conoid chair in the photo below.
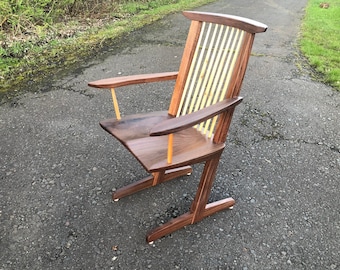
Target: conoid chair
x,y
195,127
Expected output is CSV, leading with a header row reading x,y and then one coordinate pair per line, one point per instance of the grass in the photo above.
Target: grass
x,y
28,61
320,39
54,48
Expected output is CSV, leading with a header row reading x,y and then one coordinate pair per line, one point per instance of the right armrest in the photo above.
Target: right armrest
x,y
175,124
133,79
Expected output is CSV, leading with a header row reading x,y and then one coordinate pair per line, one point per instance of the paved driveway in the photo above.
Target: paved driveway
x,y
282,163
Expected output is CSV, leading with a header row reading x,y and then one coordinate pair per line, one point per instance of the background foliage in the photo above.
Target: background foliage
x,y
17,16
22,16
38,37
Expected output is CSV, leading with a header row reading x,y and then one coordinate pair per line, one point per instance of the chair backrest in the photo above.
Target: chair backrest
x,y
213,65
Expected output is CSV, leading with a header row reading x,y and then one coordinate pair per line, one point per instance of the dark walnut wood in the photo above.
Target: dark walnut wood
x,y
133,79
190,145
245,24
176,124
146,136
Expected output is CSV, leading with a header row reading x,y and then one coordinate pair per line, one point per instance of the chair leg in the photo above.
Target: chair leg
x,y
132,188
177,172
217,206
169,227
199,208
187,219
152,180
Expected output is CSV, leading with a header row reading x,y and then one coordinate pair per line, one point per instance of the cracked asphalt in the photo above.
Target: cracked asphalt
x,y
282,163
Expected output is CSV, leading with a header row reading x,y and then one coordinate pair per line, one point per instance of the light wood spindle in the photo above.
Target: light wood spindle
x,y
115,104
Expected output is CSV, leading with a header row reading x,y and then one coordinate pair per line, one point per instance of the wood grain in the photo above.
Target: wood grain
x,y
207,89
133,79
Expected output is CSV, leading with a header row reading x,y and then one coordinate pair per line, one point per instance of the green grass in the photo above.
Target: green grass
x,y
320,40
31,60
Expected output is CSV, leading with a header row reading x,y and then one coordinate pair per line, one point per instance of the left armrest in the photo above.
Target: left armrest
x,y
179,123
133,79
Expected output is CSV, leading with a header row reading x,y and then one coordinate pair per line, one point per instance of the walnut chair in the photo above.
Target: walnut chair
x,y
195,127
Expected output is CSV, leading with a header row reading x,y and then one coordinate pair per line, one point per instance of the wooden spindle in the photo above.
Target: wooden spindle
x,y
170,147
115,103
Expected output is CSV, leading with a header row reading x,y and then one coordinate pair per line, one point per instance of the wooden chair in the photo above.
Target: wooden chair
x,y
195,127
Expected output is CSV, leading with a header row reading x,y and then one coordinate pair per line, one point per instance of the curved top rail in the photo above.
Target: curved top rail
x,y
245,24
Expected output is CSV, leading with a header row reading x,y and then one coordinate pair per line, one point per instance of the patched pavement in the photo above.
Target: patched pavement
x,y
282,163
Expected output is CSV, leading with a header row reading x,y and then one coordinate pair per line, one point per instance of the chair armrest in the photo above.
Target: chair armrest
x,y
133,79
179,123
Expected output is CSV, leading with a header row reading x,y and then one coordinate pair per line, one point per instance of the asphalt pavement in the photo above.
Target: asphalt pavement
x,y
282,163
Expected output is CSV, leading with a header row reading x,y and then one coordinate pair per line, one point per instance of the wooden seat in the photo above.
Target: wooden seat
x,y
195,127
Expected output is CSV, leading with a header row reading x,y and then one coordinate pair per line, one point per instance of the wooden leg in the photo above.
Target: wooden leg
x,y
199,208
217,206
204,188
174,173
187,219
169,227
132,188
150,181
